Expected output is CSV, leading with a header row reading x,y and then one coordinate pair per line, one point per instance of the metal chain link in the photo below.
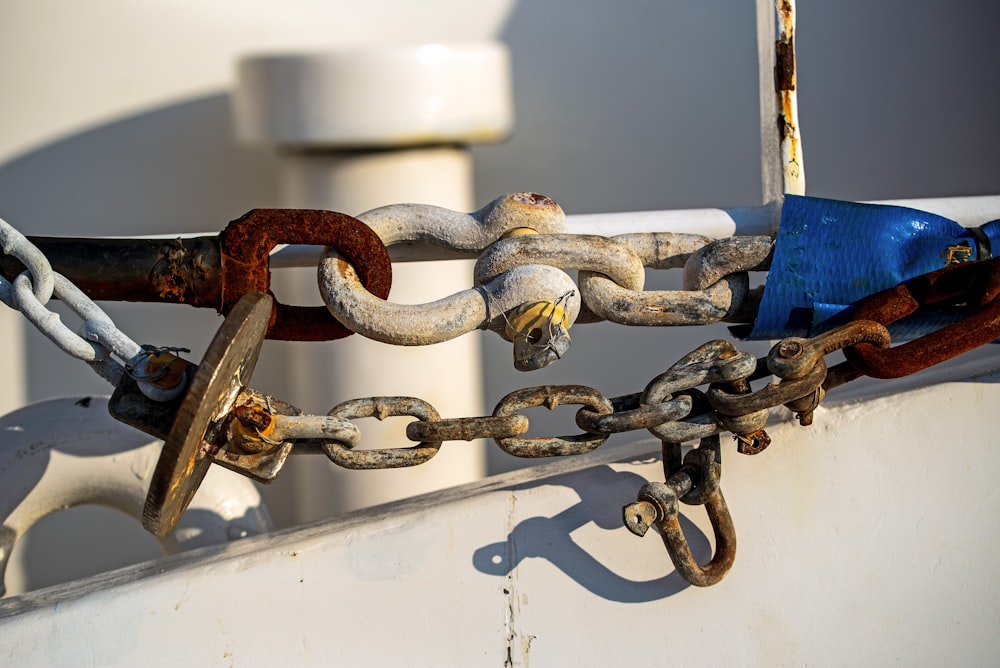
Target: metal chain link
x,y
523,254
523,249
15,244
671,407
522,292
97,341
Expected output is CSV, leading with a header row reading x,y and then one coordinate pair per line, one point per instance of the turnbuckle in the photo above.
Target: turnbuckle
x,y
695,482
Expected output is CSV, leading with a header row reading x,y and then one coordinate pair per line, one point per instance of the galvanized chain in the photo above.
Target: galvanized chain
x,y
97,341
523,253
521,289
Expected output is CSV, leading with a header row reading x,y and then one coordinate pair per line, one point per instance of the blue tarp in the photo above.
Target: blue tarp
x,y
830,254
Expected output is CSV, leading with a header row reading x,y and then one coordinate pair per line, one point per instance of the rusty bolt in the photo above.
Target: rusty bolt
x,y
165,370
639,516
753,443
789,349
252,427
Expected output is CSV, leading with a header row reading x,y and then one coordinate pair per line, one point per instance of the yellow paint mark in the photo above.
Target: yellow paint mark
x,y
960,252
529,318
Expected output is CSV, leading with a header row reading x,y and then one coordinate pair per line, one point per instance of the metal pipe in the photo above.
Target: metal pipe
x,y
712,223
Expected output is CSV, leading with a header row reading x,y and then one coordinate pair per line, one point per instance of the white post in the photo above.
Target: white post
x,y
361,129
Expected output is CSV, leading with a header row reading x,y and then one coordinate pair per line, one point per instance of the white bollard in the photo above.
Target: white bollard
x,y
361,129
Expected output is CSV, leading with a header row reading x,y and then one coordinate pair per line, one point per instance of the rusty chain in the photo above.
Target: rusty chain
x,y
522,292
523,252
671,407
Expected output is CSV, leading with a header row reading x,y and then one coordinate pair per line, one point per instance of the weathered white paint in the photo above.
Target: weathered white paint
x,y
389,96
70,452
866,539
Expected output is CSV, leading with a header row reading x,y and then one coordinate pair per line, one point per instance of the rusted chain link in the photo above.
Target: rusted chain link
x,y
695,482
672,407
521,291
973,285
212,271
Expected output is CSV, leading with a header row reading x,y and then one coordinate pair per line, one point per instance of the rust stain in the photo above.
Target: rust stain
x,y
535,200
784,65
167,276
245,247
167,370
753,443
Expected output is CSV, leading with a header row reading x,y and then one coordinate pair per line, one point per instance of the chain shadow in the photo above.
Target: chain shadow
x,y
29,434
549,538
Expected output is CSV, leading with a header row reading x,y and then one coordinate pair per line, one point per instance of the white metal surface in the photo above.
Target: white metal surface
x,y
377,96
140,56
70,452
858,545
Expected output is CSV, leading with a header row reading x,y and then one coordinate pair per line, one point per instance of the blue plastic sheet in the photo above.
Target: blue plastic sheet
x,y
830,254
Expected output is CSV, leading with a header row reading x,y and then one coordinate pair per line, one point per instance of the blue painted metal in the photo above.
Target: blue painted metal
x,y
829,254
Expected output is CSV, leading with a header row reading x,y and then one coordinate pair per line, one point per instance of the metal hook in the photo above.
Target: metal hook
x,y
696,482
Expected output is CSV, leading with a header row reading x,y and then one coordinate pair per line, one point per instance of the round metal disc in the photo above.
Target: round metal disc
x,y
223,372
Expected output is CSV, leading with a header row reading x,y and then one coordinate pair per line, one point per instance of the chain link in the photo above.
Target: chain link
x,y
522,291
523,254
520,285
344,454
671,406
96,340
15,244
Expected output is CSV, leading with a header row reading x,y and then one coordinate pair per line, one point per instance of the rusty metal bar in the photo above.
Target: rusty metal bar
x,y
216,271
975,284
179,270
